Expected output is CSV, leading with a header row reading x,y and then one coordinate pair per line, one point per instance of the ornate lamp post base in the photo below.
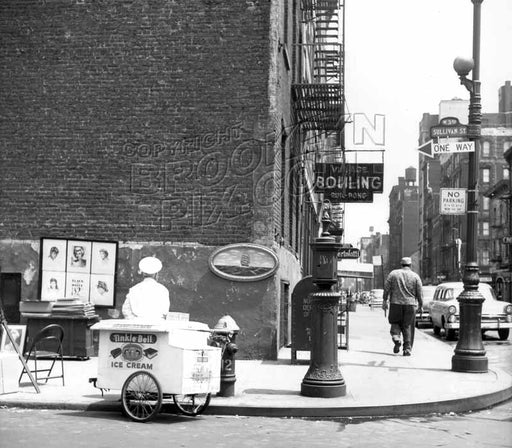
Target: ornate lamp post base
x,y
469,364
470,353
323,378
323,390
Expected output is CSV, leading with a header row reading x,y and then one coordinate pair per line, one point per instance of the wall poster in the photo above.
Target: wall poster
x,y
78,269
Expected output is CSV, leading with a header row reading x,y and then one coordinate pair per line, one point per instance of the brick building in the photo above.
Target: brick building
x,y
403,220
174,129
443,237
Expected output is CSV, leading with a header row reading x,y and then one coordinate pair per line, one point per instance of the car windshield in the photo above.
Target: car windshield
x,y
453,293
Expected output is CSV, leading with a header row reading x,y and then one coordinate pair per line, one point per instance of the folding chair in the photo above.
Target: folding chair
x,y
45,350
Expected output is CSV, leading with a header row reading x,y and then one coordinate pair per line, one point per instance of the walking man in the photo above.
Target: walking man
x,y
403,290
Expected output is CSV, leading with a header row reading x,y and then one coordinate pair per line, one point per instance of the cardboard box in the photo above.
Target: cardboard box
x,y
10,369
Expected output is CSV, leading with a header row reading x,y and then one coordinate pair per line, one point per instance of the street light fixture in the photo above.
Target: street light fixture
x,y
469,352
323,378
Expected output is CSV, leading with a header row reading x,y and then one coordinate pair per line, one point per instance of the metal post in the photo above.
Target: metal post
x,y
323,378
469,352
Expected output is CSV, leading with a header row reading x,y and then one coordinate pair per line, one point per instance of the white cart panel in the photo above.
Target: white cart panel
x,y
176,353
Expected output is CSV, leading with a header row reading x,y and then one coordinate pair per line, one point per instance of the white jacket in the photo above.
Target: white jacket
x,y
148,300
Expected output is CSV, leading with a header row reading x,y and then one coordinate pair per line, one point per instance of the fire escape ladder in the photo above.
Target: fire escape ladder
x,y
318,94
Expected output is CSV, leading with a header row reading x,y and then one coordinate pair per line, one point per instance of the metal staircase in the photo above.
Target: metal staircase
x,y
318,93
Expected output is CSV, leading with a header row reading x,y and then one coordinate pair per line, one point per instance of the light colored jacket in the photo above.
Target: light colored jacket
x,y
148,300
403,287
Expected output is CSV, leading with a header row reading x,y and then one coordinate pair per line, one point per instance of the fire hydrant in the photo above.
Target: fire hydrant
x,y
224,336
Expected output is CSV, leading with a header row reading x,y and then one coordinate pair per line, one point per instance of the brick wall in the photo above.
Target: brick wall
x,y
134,120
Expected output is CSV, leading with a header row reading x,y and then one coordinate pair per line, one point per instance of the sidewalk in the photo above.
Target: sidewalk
x,y
378,382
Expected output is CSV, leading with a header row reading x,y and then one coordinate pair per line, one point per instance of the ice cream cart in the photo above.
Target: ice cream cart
x,y
153,361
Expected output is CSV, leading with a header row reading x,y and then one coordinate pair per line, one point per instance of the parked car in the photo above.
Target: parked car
x,y
423,318
376,298
444,310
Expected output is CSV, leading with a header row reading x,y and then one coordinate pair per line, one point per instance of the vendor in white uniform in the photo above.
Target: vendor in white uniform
x,y
147,299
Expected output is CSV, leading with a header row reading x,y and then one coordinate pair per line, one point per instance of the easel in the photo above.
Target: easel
x,y
3,321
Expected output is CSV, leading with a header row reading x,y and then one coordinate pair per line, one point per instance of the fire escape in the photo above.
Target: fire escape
x,y
318,92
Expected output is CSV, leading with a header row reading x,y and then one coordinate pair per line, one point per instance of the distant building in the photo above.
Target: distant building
x,y
403,219
375,250
442,238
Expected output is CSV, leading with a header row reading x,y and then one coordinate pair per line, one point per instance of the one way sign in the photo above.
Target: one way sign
x,y
431,149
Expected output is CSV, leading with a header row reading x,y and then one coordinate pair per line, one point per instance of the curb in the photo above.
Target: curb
x,y
469,404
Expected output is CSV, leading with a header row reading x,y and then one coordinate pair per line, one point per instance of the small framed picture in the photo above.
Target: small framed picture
x,y
53,254
18,333
103,258
102,290
79,256
53,285
77,286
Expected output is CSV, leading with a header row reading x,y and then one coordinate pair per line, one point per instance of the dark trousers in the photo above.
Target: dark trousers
x,y
402,319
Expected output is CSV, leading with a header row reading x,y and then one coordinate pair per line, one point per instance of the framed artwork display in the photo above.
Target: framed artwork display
x,y
78,269
79,256
102,289
53,253
53,285
103,258
18,333
77,286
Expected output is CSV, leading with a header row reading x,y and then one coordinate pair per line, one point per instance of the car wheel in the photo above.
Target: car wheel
x,y
448,332
437,330
503,333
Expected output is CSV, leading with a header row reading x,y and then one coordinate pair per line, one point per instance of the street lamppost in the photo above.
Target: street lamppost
x,y
469,352
323,378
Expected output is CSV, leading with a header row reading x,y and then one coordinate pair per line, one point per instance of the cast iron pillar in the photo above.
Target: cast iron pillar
x,y
469,353
323,378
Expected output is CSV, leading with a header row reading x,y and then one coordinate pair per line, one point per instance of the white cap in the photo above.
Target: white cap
x,y
406,261
150,265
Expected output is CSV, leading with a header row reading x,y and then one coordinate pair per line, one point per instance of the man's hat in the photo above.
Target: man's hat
x,y
406,261
150,265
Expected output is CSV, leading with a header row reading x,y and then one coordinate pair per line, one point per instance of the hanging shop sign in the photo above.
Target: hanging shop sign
x,y
243,262
349,252
349,182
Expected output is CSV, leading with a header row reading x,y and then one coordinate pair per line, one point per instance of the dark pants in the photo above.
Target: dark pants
x,y
402,320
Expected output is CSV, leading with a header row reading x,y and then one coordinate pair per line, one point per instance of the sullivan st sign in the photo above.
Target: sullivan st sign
x,y
449,127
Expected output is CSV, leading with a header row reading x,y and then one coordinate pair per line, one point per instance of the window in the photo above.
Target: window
x,y
506,173
486,149
486,175
506,146
485,228
486,203
484,258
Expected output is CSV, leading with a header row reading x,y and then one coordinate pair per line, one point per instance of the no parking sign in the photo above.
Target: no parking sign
x,y
453,201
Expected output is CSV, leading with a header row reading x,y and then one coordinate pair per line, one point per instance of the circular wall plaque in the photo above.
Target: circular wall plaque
x,y
243,262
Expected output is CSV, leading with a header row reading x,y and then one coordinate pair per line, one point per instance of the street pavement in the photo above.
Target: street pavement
x,y
378,382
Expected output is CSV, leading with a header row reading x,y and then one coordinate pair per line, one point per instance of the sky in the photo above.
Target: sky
x,y
399,63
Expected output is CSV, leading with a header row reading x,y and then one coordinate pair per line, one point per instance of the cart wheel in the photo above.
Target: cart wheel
x,y
193,404
141,396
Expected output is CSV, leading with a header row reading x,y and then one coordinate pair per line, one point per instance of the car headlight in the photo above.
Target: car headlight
x,y
508,309
452,309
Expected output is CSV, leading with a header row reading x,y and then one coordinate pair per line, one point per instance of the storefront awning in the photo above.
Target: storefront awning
x,y
354,269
